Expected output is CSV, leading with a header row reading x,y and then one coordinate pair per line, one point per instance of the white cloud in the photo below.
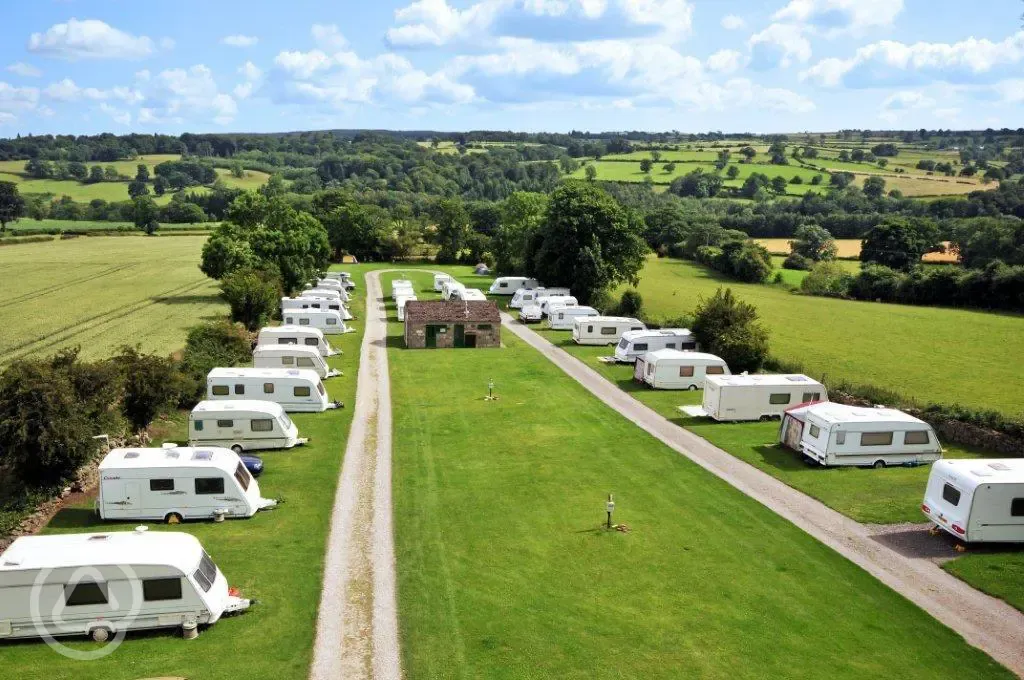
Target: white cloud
x,y
67,91
834,17
252,75
725,61
675,16
435,22
239,40
89,39
731,22
1010,91
303,64
120,116
784,43
896,105
17,98
175,94
7,118
24,70
328,37
887,60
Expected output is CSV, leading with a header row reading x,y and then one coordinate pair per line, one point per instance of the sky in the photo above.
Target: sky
x,y
91,66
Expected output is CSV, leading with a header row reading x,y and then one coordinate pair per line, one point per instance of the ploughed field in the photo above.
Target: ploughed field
x,y
505,572
101,293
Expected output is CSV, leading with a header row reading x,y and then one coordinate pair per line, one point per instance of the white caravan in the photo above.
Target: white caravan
x,y
468,294
325,320
99,585
296,335
755,397
635,343
603,330
292,356
508,285
399,286
400,305
561,319
977,500
243,425
439,280
294,389
332,284
344,277
836,434
448,289
525,296
322,292
172,484
543,306
672,369
549,302
315,302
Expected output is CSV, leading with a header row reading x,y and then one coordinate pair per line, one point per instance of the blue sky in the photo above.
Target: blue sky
x,y
89,66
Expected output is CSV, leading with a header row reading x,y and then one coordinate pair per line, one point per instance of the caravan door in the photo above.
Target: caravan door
x,y
120,498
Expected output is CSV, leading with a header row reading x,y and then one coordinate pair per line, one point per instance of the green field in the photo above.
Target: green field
x,y
505,572
999,575
916,351
625,171
253,179
275,557
101,293
30,226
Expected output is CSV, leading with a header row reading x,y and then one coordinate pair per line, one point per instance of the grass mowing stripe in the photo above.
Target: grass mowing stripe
x,y
62,286
504,572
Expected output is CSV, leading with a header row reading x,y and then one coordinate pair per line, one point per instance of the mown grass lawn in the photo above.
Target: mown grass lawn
x,y
929,354
999,575
276,557
504,571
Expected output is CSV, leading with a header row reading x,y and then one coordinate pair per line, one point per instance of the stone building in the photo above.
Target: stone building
x,y
435,323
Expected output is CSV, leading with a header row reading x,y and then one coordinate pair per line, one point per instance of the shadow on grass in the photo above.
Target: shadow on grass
x,y
76,518
210,299
153,634
781,458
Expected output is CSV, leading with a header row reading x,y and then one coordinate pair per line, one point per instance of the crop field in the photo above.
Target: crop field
x,y
912,350
850,247
103,292
276,557
505,572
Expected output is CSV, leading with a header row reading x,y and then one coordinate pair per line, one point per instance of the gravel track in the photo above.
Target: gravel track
x,y
901,563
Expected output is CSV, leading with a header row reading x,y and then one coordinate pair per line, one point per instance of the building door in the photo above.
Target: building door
x,y
471,340
431,336
460,335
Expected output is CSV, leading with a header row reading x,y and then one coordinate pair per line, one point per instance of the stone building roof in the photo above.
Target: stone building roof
x,y
439,311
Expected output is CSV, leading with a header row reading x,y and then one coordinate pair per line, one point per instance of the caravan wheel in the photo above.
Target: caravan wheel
x,y
879,464
692,388
173,518
237,448
100,634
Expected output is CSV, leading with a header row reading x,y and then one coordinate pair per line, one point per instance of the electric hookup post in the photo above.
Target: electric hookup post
x,y
610,508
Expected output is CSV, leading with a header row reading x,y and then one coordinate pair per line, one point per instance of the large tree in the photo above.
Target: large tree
x,y
452,229
253,295
353,228
587,242
814,243
521,217
899,242
12,205
729,328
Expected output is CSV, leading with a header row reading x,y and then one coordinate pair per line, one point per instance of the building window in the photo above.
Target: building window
x,y
714,370
951,495
778,398
815,431
220,390
239,389
840,438
225,423
305,362
206,486
301,391
85,593
287,361
640,347
916,437
161,485
811,396
159,589
483,326
197,425
686,371
262,424
1017,507
609,330
268,388
876,438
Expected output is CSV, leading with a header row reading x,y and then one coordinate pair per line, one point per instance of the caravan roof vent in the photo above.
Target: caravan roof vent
x,y
173,453
1002,467
797,378
981,472
99,537
202,455
293,371
131,454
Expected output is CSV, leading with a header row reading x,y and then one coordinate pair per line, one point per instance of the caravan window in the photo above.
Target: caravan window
x,y
300,391
640,347
225,423
609,330
85,593
714,370
320,388
918,437
332,322
623,344
303,322
220,390
161,485
815,431
287,360
811,396
239,389
314,342
951,494
686,371
778,398
875,438
262,424
197,425
268,388
207,486
670,345
206,573
288,341
160,589
242,476
1017,507
305,362
840,437
285,421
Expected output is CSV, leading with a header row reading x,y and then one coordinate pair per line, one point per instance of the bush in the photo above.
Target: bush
x,y
151,385
730,329
631,304
254,295
209,345
828,279
798,262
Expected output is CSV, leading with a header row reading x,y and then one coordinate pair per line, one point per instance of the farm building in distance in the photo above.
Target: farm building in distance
x,y
437,323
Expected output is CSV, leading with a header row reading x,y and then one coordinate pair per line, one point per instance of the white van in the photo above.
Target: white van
x,y
603,330
672,369
508,285
99,585
755,397
400,305
243,425
524,296
467,294
325,320
292,356
294,389
448,289
977,500
439,280
836,434
175,484
635,343
561,319
315,302
296,335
